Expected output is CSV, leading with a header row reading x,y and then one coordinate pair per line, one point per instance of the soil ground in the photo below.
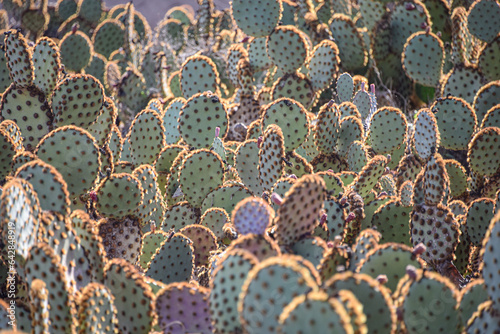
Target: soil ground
x,y
154,10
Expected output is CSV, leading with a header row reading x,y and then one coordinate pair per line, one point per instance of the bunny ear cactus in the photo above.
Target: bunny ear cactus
x,y
232,270
199,74
175,317
19,59
130,289
97,310
261,281
34,122
293,221
420,287
255,18
424,67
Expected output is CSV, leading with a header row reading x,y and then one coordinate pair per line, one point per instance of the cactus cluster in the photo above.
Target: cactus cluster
x,y
274,167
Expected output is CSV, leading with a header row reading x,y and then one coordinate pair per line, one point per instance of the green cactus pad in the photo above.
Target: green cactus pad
x,y
152,208
310,248
404,22
294,86
489,266
366,240
327,129
225,285
97,311
204,242
170,120
376,299
130,289
352,50
255,18
173,261
146,137
464,82
151,241
315,311
91,10
34,122
485,99
77,100
456,122
174,314
116,190
271,154
257,54
389,259
215,219
246,162
428,287
103,126
18,217
292,221
492,118
108,36
481,19
7,154
348,109
485,317
369,175
261,246
393,221
470,298
408,168
323,64
271,275
287,48
435,180
178,216
345,87
483,150
74,153
199,117
281,112
437,229
19,60
424,67
387,130
479,214
49,185
458,178
350,130
202,171
226,197
252,216
335,217
46,65
199,74
62,310
426,137
362,101
235,53
486,61
76,51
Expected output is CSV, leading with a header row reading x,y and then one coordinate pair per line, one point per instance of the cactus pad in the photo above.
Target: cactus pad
x,y
173,261
226,284
287,48
323,64
266,278
292,221
86,95
175,317
203,240
387,130
19,60
252,216
483,151
256,18
423,58
199,74
426,136
199,117
76,51
116,190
